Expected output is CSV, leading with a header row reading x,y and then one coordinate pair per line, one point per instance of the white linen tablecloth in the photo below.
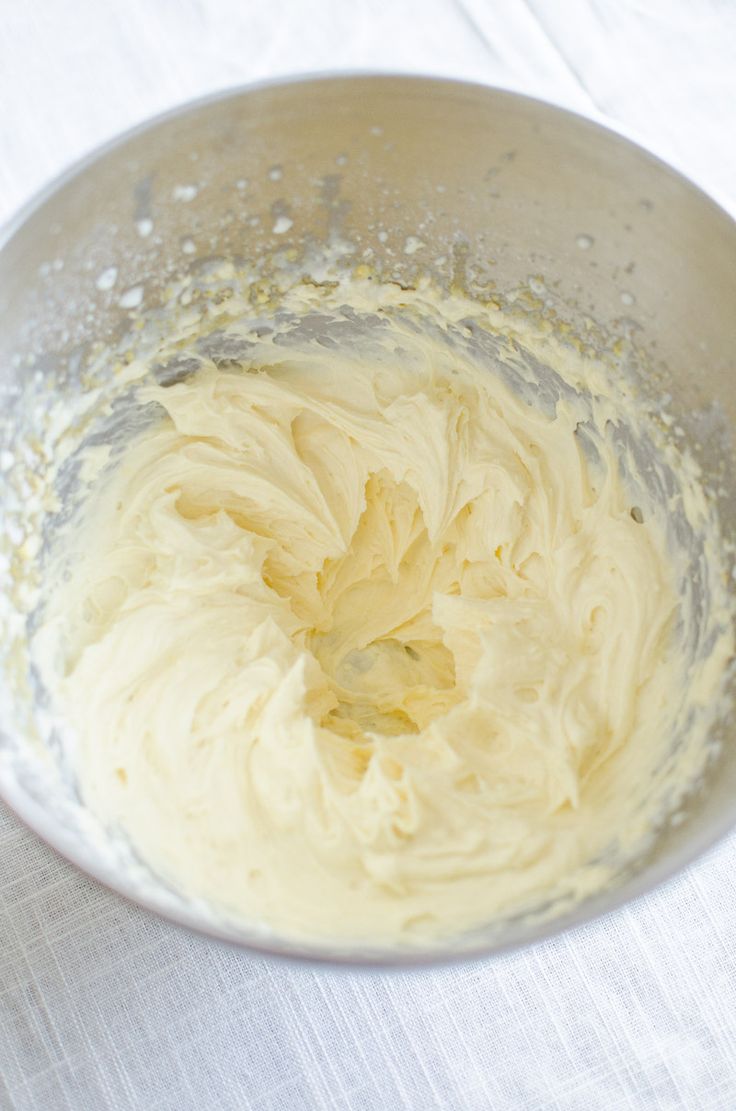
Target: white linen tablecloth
x,y
105,1007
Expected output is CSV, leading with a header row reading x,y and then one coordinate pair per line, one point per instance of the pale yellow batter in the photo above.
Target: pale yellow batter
x,y
368,646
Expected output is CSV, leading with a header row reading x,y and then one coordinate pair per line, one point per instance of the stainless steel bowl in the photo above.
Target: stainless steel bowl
x,y
498,190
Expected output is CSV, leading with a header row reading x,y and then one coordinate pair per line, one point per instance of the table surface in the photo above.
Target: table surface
x,y
103,1006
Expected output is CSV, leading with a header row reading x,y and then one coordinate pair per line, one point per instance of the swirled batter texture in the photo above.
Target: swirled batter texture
x,y
370,645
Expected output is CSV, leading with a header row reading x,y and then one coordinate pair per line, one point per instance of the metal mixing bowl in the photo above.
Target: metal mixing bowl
x,y
497,190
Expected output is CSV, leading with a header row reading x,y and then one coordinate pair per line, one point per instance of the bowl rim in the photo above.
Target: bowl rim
x,y
318,952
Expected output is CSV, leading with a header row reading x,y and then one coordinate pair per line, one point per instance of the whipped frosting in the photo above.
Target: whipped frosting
x,y
379,637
